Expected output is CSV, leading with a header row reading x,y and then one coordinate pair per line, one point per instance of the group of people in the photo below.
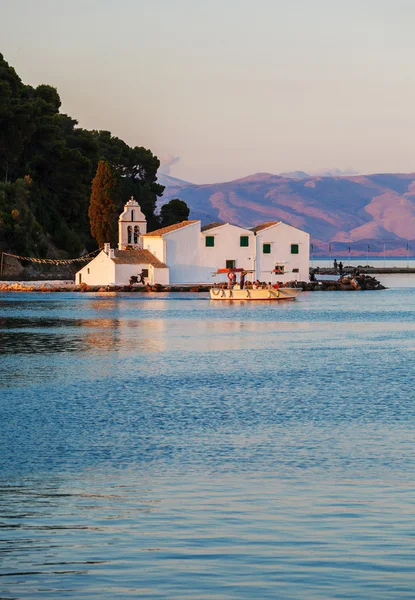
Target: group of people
x,y
255,285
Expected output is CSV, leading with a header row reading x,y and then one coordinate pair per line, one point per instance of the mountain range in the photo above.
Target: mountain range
x,y
357,211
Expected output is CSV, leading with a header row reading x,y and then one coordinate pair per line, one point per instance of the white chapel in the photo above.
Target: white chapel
x,y
187,253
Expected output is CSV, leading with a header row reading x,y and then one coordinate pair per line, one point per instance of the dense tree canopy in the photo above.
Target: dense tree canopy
x,y
174,212
47,164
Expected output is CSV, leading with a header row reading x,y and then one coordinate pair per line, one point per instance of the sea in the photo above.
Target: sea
x,y
169,446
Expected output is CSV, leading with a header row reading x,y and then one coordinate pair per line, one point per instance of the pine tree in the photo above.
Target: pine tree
x,y
102,207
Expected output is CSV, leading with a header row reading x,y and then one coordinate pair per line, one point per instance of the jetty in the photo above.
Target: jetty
x,y
367,270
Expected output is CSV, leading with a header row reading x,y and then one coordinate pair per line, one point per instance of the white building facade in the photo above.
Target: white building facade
x,y
186,253
273,251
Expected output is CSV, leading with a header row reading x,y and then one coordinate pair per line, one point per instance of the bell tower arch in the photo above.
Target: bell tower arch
x,y
132,224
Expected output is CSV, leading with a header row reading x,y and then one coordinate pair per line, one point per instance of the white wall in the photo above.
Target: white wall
x,y
227,247
100,271
160,276
155,245
182,254
103,271
281,236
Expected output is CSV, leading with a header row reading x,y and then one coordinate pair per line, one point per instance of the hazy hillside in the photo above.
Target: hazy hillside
x,y
356,210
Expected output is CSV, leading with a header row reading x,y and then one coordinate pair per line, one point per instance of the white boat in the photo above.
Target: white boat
x,y
282,293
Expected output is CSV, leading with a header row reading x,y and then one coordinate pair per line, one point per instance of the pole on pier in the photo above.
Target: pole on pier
x,y
330,253
367,255
407,255
1,263
349,256
384,255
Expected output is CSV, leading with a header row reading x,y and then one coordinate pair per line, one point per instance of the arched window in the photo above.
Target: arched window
x,y
136,233
132,215
129,234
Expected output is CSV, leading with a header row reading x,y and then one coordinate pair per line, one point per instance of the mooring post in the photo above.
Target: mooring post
x,y
1,263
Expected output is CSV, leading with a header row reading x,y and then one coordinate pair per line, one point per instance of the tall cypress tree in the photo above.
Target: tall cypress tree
x,y
102,207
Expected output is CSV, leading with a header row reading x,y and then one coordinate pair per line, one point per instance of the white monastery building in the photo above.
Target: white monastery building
x,y
188,253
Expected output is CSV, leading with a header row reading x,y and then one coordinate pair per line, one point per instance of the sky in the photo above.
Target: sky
x,y
222,89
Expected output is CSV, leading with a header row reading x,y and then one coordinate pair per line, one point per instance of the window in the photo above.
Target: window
x,y
88,270
244,241
136,232
266,248
129,234
230,264
279,269
294,248
132,215
296,270
210,241
144,272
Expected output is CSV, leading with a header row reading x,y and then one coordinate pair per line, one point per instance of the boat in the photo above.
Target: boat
x,y
219,290
282,293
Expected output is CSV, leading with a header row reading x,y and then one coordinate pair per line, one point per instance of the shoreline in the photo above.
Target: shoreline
x,y
348,283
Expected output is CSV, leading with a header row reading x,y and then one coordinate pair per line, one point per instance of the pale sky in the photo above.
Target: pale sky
x,y
230,87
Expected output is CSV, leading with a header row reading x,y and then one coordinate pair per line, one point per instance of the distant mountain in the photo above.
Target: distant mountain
x,y
170,181
353,210
295,175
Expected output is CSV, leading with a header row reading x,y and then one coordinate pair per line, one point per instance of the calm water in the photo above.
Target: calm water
x,y
177,448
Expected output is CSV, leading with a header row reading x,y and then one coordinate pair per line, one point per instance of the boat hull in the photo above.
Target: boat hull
x,y
249,295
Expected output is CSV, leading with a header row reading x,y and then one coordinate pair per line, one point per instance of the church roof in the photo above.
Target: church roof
x,y
212,226
264,226
137,257
163,230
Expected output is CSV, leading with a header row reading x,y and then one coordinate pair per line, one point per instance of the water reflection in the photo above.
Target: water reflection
x,y
171,448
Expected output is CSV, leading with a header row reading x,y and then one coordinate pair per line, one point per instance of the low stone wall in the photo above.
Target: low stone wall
x,y
362,282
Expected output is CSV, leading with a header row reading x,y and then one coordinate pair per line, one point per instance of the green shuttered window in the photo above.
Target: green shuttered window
x,y
294,249
244,241
266,248
210,241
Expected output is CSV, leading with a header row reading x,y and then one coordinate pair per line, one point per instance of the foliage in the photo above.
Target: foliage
x,y
38,141
19,228
102,209
174,212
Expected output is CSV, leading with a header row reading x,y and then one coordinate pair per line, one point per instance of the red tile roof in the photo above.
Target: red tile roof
x,y
163,230
137,257
212,226
264,226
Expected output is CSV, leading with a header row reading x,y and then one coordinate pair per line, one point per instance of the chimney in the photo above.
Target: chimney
x,y
111,253
107,248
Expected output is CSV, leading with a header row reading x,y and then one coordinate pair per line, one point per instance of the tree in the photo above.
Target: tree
x,y
37,140
174,212
102,208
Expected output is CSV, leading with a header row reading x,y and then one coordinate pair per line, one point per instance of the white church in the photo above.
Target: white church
x,y
187,253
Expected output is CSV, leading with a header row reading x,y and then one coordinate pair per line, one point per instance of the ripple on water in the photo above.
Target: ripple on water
x,y
176,448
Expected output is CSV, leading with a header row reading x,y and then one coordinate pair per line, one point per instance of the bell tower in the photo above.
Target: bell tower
x,y
131,225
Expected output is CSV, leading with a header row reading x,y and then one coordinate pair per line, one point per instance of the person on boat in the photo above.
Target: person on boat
x,y
231,279
341,268
276,286
335,264
242,280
